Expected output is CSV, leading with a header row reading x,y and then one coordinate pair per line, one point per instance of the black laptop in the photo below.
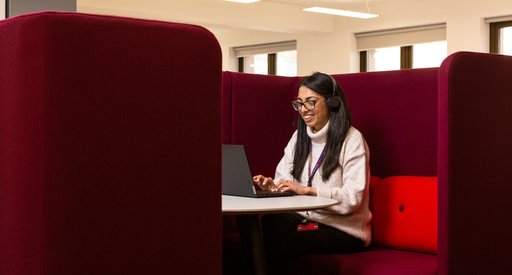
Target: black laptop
x,y
237,177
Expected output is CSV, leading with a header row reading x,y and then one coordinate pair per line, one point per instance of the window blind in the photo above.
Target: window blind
x,y
400,36
265,48
498,19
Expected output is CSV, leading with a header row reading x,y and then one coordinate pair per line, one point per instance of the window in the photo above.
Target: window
x,y
426,55
287,63
501,37
423,55
275,58
506,41
255,64
404,48
3,9
384,59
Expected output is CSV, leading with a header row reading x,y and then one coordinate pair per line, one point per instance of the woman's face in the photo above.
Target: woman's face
x,y
318,117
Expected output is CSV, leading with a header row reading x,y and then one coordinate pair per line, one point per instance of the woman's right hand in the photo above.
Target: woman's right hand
x,y
265,183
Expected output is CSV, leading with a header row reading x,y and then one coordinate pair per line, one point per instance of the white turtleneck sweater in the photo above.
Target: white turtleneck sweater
x,y
348,185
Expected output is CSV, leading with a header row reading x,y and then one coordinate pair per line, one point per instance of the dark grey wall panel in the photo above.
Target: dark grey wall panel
x,y
16,7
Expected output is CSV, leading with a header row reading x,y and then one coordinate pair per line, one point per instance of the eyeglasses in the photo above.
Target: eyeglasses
x,y
308,104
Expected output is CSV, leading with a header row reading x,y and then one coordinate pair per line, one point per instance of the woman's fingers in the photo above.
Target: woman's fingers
x,y
283,185
263,182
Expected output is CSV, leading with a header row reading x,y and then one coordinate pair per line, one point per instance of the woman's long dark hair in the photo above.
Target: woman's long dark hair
x,y
340,122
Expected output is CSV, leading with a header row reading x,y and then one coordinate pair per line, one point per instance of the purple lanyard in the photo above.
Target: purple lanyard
x,y
317,165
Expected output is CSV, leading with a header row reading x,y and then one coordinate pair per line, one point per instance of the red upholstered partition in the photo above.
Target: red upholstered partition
x,y
109,146
396,111
475,164
253,121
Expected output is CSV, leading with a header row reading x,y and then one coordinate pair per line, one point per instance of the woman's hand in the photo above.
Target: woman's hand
x,y
264,183
299,189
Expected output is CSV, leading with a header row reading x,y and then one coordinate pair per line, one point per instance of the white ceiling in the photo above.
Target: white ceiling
x,y
267,15
328,3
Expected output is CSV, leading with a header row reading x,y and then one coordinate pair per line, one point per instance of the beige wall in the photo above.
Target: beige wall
x,y
324,42
315,52
335,52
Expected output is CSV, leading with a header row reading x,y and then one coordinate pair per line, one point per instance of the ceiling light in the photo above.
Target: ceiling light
x,y
362,15
243,1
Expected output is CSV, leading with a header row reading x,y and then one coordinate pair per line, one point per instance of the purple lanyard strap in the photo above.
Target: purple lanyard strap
x,y
317,165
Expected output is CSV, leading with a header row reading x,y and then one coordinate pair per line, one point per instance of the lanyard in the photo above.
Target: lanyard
x,y
317,165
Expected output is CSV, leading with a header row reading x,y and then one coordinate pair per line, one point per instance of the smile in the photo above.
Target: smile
x,y
307,118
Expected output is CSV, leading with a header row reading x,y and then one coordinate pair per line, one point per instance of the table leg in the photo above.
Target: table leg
x,y
251,238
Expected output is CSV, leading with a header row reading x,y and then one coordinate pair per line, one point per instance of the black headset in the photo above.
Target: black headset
x,y
333,102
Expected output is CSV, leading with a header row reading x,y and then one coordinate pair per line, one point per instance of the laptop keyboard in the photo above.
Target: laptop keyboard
x,y
268,193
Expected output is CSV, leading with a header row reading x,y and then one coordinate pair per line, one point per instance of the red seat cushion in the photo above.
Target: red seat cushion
x,y
404,212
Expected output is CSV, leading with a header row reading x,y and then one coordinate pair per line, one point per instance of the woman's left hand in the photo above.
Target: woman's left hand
x,y
288,185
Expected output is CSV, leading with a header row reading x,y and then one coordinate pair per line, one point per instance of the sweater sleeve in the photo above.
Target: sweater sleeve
x,y
354,160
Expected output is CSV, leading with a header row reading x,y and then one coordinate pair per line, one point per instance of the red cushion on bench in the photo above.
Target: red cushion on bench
x,y
404,212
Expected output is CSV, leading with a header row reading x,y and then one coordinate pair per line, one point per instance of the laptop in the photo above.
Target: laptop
x,y
237,177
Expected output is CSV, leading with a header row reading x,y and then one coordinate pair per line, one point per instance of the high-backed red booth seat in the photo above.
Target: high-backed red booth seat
x,y
109,146
440,155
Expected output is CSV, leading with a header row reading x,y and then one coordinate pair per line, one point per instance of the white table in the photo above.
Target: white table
x,y
243,205
248,210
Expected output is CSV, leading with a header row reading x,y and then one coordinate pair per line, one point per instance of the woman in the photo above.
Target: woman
x,y
325,157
